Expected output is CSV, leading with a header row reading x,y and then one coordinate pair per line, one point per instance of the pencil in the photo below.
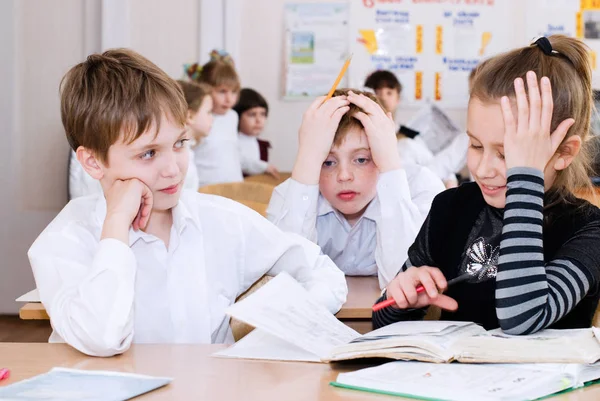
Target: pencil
x,y
338,79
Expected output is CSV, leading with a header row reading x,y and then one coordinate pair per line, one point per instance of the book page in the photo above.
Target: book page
x,y
61,384
429,340
261,345
284,309
547,346
457,382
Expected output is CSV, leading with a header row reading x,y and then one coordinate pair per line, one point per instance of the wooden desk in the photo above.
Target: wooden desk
x,y
198,376
362,294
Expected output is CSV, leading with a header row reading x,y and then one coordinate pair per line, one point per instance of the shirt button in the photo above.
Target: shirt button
x,y
305,197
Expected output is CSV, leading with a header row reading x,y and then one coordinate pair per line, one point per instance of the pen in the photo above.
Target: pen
x,y
420,289
4,374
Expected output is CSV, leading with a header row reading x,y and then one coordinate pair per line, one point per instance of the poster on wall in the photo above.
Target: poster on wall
x,y
431,45
579,19
316,46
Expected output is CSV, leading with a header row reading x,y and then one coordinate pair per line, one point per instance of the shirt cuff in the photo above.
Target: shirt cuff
x,y
514,171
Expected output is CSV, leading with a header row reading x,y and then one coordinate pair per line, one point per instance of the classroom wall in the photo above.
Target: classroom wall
x,y
38,43
261,58
41,40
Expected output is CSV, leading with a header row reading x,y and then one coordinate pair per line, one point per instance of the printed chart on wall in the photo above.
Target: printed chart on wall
x,y
316,47
573,18
431,45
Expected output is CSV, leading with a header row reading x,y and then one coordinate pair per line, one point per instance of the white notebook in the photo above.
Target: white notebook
x,y
61,384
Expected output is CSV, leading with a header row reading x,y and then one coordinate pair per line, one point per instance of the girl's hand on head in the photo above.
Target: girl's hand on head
x,y
403,289
528,141
381,132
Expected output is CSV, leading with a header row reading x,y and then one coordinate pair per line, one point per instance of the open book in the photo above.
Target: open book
x,y
473,382
290,325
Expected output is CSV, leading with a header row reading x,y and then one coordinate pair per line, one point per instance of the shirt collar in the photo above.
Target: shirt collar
x,y
371,213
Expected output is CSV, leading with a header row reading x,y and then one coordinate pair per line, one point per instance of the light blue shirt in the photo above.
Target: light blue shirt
x,y
378,242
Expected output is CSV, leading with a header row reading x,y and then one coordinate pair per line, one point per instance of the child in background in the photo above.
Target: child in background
x,y
146,262
252,110
199,117
519,220
349,192
217,156
446,163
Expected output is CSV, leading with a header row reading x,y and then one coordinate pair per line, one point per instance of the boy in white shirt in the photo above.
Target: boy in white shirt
x,y
148,262
252,109
349,192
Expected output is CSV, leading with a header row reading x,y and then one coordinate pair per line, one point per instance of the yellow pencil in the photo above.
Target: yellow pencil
x,y
338,79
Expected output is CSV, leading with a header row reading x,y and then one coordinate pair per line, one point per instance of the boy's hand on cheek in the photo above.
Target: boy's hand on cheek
x,y
315,137
381,132
128,204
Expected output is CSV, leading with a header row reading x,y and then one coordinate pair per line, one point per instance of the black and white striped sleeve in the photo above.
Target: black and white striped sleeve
x,y
530,294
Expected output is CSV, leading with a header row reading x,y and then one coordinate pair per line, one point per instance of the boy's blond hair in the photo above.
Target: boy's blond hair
x,y
118,92
348,122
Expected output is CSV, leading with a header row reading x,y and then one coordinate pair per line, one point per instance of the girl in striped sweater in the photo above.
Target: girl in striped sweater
x,y
538,244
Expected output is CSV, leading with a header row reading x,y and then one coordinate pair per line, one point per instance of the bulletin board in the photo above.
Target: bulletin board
x,y
431,45
316,46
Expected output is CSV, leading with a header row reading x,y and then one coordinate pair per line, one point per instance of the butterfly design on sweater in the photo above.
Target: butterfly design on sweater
x,y
483,260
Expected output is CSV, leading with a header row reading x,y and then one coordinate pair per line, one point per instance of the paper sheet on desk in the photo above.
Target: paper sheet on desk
x,y
284,309
31,296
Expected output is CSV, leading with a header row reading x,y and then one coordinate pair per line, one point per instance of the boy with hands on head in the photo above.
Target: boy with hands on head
x,y
146,262
349,192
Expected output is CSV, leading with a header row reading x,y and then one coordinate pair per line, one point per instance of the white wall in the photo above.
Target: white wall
x,y
39,42
261,60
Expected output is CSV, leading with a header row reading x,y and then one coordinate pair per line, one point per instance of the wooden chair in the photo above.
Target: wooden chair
x,y
241,191
241,329
268,179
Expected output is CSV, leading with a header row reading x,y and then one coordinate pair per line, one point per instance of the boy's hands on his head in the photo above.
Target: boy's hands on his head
x,y
272,171
403,289
528,141
128,204
381,132
315,137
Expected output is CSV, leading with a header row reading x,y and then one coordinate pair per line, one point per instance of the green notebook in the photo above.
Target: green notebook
x,y
470,382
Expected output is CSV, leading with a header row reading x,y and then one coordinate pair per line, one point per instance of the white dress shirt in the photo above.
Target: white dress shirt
x,y
102,295
250,155
444,164
82,184
378,242
217,155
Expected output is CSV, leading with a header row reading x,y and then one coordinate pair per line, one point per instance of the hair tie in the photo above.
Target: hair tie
x,y
221,55
544,44
192,71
